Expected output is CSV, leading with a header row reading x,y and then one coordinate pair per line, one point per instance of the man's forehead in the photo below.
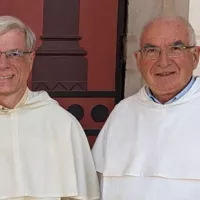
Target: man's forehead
x,y
12,39
163,25
165,32
162,41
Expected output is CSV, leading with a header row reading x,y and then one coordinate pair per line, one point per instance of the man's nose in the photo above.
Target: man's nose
x,y
163,60
3,62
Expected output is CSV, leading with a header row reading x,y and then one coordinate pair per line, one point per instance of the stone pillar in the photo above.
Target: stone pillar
x,y
168,7
195,22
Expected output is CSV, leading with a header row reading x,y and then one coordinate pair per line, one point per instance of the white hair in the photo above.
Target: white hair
x,y
8,23
192,35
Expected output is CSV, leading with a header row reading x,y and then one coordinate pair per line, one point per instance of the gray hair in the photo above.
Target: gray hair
x,y
8,23
192,35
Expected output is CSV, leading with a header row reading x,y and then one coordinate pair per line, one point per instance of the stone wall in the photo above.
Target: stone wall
x,y
195,22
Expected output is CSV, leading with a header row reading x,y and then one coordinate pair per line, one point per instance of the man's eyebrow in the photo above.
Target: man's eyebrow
x,y
179,42
148,45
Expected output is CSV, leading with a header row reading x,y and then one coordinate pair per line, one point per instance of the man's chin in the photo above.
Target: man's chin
x,y
165,89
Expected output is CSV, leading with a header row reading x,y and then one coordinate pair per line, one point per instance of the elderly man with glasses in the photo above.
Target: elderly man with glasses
x,y
44,153
149,147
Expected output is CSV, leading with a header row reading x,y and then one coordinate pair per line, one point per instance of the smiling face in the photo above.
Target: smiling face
x,y
167,75
14,73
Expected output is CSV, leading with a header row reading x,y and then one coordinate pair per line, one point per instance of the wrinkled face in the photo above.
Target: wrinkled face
x,y
167,74
14,72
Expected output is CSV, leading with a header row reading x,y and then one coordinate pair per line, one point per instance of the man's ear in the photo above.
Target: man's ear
x,y
196,54
138,55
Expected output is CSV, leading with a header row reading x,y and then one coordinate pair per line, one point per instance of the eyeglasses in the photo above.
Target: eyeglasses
x,y
14,54
171,51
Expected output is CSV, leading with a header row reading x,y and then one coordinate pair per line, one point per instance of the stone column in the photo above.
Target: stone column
x,y
195,22
168,7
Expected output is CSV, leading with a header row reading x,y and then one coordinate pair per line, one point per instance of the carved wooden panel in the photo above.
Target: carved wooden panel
x,y
60,63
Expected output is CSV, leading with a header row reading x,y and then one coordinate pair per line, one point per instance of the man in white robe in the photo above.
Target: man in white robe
x,y
149,147
44,153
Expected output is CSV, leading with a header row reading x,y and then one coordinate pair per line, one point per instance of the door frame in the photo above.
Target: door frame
x,y
120,53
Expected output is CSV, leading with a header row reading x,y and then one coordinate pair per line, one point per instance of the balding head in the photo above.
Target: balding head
x,y
165,21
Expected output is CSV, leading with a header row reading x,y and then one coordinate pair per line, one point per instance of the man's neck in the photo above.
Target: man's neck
x,y
165,98
11,100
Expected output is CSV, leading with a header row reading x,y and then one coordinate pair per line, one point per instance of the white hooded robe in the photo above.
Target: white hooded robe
x,y
150,151
44,153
